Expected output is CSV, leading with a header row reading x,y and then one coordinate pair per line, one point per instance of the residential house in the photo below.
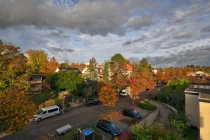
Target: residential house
x,y
197,107
36,81
100,69
68,69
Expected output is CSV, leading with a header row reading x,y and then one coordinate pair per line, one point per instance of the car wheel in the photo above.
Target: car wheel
x,y
55,114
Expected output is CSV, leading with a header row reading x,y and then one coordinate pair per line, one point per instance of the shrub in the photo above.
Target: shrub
x,y
146,105
42,97
134,120
126,135
50,102
153,132
116,138
67,105
41,106
72,135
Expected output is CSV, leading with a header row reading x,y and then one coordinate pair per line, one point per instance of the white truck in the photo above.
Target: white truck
x,y
47,112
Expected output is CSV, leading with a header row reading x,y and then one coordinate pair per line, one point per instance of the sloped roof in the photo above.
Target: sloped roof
x,y
129,67
68,69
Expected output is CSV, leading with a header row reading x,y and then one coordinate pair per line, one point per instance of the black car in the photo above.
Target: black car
x,y
131,113
92,102
109,127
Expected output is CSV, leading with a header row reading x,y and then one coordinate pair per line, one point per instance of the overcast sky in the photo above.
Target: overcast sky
x,y
166,32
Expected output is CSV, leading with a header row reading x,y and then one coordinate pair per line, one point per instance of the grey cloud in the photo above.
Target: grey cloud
x,y
197,56
206,29
58,34
63,50
139,22
129,42
184,35
97,17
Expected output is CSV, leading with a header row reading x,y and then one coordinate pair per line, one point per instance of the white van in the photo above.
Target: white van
x,y
47,112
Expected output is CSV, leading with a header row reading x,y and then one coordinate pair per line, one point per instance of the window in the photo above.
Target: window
x,y
52,110
44,112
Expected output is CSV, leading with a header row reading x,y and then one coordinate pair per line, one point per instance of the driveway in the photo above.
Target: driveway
x,y
163,113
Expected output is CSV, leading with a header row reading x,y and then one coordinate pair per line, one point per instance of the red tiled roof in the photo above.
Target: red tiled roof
x,y
129,67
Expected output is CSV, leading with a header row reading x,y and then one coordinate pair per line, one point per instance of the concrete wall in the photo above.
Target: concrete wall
x,y
200,86
150,118
192,108
204,120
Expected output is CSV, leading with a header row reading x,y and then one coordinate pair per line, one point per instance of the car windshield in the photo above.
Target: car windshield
x,y
134,111
111,126
39,112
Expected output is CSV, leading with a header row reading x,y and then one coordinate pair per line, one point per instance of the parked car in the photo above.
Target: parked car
x,y
92,102
131,113
109,127
123,93
47,112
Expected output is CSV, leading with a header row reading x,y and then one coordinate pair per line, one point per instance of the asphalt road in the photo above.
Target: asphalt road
x,y
75,117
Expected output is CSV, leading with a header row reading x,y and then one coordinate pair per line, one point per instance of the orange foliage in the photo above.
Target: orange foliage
x,y
15,110
50,67
107,94
80,66
112,115
141,82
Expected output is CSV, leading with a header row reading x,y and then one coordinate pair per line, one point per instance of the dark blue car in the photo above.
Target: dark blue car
x,y
109,127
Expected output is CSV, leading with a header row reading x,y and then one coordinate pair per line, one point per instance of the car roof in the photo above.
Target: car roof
x,y
50,107
104,121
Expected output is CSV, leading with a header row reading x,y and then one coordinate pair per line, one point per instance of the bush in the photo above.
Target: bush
x,y
42,97
146,105
134,120
126,135
50,102
72,135
153,132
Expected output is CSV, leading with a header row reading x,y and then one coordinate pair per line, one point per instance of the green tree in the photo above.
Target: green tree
x,y
64,65
69,80
93,72
143,64
118,71
36,60
106,72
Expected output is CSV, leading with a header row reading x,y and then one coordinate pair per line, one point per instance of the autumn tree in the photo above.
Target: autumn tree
x,y
107,94
13,69
118,69
13,89
50,66
140,82
16,110
36,60
93,72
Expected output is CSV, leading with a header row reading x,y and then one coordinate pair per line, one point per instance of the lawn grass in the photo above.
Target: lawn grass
x,y
146,105
191,134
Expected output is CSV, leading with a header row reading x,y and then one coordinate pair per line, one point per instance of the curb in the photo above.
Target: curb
x,y
149,118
